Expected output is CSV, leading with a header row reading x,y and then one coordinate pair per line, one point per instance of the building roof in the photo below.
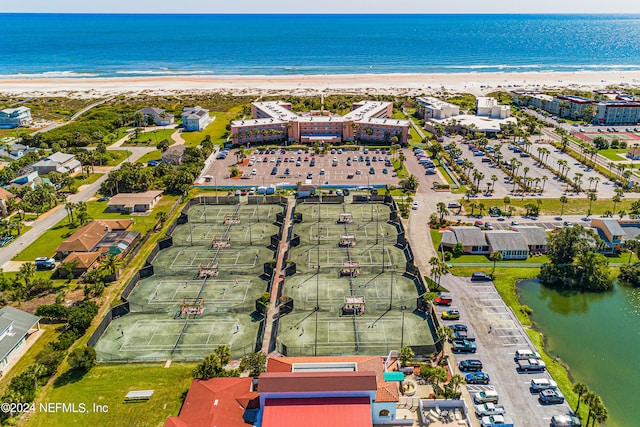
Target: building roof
x,y
152,111
503,240
469,236
631,231
216,402
285,382
485,102
88,236
175,150
84,259
129,200
532,235
387,391
435,102
22,323
4,194
318,412
448,238
610,224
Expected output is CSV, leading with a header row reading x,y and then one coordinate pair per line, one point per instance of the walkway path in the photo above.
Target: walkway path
x,y
75,116
274,308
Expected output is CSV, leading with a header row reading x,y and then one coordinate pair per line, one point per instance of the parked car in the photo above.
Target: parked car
x,y
486,396
485,409
471,365
458,327
45,263
372,171
430,171
480,277
528,365
287,171
463,346
414,206
385,171
450,315
565,421
274,171
463,335
525,354
321,171
443,299
539,384
551,396
492,420
477,378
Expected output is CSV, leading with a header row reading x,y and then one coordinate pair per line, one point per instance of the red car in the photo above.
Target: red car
x,y
444,299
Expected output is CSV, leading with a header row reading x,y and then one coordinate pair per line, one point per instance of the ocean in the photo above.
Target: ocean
x,y
87,45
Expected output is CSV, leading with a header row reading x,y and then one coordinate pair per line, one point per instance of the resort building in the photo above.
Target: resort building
x,y
113,237
157,116
510,244
195,118
535,237
15,117
516,243
368,121
617,113
434,108
58,162
574,107
489,107
472,239
134,202
15,328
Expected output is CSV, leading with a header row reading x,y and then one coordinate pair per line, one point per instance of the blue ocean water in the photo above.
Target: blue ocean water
x,y
143,45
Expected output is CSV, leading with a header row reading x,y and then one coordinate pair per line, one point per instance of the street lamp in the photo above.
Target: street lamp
x,y
403,308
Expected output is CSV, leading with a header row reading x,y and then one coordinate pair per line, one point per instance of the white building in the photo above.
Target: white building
x,y
434,108
159,116
489,107
195,118
14,117
58,162
15,328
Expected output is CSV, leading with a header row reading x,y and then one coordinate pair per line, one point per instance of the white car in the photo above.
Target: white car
x,y
414,206
489,409
272,160
486,396
539,384
259,160
254,172
492,420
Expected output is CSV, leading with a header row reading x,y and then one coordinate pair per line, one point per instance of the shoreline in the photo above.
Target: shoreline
x,y
400,84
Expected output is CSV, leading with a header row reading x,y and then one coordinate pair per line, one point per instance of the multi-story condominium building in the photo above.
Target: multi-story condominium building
x,y
195,118
489,107
274,121
574,107
617,112
14,117
434,108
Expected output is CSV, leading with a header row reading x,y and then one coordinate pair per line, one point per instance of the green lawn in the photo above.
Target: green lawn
x,y
47,243
79,180
107,384
216,130
575,206
415,137
613,154
50,334
152,155
117,157
153,136
401,169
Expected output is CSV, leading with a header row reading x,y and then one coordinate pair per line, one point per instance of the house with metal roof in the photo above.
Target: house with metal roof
x,y
158,116
610,231
472,239
195,118
174,154
58,162
14,117
511,244
15,327
134,202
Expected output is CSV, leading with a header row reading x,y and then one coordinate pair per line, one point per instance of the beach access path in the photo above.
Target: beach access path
x,y
55,215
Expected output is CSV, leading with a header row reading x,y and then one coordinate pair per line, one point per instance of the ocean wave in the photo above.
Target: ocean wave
x,y
165,72
49,75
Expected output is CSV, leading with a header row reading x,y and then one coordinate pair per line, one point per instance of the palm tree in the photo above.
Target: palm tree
x,y
36,370
111,263
616,199
495,257
456,381
83,216
162,217
506,201
579,389
563,201
494,178
524,177
436,376
27,271
622,213
593,196
600,414
592,400
411,182
442,210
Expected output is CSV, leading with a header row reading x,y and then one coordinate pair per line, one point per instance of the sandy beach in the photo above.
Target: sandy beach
x,y
409,84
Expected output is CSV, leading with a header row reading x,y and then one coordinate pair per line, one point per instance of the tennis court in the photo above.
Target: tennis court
x,y
349,290
203,290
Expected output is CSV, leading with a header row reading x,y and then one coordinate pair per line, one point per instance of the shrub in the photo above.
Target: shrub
x,y
82,358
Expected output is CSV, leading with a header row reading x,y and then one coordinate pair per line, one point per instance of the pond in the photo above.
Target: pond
x,y
598,336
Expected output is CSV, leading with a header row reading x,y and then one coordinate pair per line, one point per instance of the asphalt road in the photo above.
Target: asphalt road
x,y
51,218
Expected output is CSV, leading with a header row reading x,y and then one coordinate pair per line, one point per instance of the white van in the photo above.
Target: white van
x,y
526,354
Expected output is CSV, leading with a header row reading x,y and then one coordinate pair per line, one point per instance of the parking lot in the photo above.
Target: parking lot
x,y
357,168
498,336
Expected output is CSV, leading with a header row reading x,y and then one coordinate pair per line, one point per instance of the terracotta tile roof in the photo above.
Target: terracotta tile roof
x,y
4,194
317,412
283,382
85,259
387,391
89,235
215,403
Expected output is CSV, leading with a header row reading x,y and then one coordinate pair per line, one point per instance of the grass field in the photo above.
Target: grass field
x,y
152,137
216,130
575,206
117,157
80,180
108,385
613,154
152,155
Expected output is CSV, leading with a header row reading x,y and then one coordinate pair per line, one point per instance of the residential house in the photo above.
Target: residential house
x,y
633,153
228,402
158,116
134,202
105,236
30,179
195,118
489,107
472,239
58,162
84,261
536,237
174,154
4,196
15,151
510,244
610,231
15,328
15,117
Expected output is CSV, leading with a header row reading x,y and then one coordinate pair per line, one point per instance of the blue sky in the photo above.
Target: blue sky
x,y
325,6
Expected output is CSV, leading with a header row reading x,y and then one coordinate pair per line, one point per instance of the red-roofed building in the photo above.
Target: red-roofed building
x,y
218,402
318,412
